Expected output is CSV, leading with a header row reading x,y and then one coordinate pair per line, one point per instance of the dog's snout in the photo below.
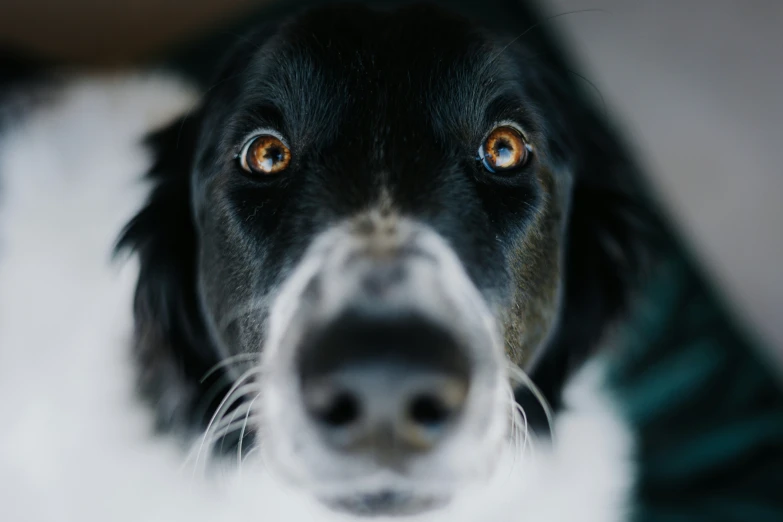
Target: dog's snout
x,y
390,386
383,368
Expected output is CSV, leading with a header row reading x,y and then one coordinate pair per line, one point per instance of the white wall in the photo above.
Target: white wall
x,y
699,84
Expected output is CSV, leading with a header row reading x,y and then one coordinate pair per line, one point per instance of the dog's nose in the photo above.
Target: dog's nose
x,y
387,385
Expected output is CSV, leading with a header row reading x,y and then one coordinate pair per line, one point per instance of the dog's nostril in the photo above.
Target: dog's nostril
x,y
343,410
383,383
429,411
332,405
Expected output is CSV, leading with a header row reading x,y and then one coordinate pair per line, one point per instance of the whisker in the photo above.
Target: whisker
x,y
595,88
217,434
226,427
518,374
234,359
519,425
242,433
229,399
240,410
537,25
519,413
226,430
247,455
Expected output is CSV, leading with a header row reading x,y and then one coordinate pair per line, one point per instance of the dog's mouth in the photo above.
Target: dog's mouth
x,y
385,493
386,502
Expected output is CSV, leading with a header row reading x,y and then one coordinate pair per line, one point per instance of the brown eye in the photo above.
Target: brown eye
x,y
265,155
504,149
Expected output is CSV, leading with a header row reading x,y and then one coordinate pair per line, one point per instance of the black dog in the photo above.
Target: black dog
x,y
368,217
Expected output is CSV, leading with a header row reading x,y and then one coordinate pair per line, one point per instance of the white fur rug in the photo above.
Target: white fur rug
x,y
74,442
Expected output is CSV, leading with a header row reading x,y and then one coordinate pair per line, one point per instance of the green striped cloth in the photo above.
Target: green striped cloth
x,y
706,407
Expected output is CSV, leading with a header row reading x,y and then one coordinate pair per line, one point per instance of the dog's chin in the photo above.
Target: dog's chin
x,y
386,502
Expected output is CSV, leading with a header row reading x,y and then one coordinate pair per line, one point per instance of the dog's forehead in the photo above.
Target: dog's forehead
x,y
335,60
416,38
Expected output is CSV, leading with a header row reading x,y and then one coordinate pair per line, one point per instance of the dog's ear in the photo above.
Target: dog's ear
x,y
178,363
614,231
171,345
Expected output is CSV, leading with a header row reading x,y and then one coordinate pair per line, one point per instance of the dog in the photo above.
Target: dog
x,y
362,231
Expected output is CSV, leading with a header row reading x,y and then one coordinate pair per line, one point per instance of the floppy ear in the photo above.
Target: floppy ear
x,y
173,348
614,234
172,345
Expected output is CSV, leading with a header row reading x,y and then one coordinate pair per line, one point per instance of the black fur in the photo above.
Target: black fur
x,y
611,229
172,346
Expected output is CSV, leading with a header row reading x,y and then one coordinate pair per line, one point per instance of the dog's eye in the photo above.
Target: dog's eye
x,y
504,149
265,154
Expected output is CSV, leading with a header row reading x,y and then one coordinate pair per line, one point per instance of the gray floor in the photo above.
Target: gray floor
x,y
698,84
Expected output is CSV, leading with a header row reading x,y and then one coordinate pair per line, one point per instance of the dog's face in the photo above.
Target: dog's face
x,y
379,130
378,203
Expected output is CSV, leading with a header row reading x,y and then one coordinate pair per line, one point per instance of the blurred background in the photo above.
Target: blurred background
x,y
697,85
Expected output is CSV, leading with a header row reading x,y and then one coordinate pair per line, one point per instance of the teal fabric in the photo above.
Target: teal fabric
x,y
706,406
